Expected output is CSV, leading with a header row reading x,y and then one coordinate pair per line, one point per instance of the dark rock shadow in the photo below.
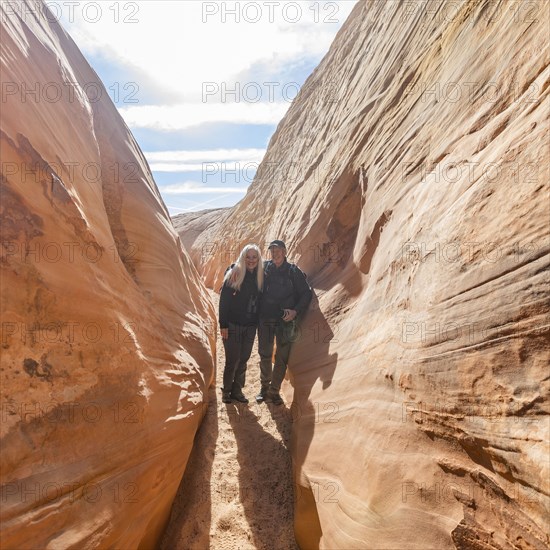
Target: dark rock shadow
x,y
191,514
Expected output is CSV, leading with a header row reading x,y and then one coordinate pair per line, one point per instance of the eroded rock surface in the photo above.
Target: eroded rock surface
x,y
107,346
410,179
191,225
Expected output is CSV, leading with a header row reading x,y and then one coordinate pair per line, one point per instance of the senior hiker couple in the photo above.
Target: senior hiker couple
x,y
267,297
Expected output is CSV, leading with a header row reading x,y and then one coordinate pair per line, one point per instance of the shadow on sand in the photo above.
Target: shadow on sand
x,y
265,477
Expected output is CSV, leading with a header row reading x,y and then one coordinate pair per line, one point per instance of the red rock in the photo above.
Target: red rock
x,y
107,331
410,180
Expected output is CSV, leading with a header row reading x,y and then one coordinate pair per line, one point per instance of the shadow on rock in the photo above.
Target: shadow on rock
x,y
191,516
310,362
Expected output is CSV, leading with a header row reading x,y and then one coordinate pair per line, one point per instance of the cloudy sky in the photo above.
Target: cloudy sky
x,y
203,85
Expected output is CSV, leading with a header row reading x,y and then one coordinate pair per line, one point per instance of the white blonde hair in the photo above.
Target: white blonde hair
x,y
235,276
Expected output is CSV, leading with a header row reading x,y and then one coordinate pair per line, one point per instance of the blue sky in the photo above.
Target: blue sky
x,y
203,85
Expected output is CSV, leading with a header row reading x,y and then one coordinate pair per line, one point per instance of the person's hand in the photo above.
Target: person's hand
x,y
224,333
290,315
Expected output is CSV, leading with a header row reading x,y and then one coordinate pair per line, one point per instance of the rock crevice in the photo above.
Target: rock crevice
x,y
107,341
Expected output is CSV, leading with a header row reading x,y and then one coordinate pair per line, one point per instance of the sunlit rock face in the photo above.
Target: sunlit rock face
x,y
107,345
191,225
410,180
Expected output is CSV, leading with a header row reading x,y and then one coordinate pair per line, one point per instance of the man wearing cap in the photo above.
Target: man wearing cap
x,y
286,296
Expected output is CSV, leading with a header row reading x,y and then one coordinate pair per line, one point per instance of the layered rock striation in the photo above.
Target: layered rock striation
x,y
107,343
410,180
191,225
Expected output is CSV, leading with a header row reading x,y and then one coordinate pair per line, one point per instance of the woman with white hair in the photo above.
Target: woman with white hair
x,y
239,307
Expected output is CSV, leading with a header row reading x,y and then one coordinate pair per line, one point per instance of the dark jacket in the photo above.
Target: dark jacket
x,y
285,287
240,307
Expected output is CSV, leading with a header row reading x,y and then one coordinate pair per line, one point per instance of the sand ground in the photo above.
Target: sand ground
x,y
236,493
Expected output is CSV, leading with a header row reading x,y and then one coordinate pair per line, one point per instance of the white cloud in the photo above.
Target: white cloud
x,y
175,167
180,117
196,188
178,161
181,45
196,206
207,167
205,156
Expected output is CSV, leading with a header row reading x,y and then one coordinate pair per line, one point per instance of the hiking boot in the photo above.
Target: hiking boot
x,y
239,397
273,397
226,397
260,398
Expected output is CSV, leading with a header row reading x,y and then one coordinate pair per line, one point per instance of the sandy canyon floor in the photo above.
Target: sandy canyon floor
x,y
237,492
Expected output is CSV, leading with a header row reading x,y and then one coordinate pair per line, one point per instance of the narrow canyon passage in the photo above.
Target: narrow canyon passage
x,y
236,493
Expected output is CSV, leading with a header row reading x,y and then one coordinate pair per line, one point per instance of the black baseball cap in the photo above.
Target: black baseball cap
x,y
278,243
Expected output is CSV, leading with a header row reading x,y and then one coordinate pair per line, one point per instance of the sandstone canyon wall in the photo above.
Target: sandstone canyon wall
x,y
107,345
410,180
191,225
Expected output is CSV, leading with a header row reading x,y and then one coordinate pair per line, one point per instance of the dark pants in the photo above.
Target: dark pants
x,y
270,330
238,347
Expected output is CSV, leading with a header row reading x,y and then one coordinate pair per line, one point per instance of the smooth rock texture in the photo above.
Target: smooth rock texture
x,y
191,225
107,342
410,181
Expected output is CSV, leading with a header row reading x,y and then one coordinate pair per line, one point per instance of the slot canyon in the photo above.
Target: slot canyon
x,y
410,181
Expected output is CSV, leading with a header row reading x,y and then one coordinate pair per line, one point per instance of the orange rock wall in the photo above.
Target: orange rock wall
x,y
410,180
107,345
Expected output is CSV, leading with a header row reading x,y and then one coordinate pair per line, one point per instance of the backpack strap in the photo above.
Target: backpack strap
x,y
292,271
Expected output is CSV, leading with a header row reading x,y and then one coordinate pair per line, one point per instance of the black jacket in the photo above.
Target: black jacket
x,y
240,307
285,287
